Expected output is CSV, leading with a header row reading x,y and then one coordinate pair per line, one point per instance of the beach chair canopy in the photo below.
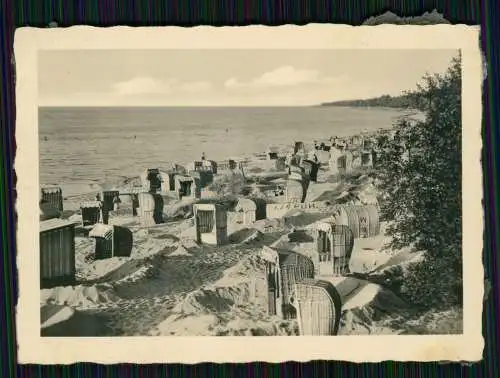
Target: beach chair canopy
x,y
184,178
101,231
320,307
90,204
51,189
52,224
325,225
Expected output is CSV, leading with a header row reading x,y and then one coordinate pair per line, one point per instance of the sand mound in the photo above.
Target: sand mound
x,y
190,244
225,306
258,327
268,225
145,271
168,240
370,293
299,218
401,260
208,301
235,322
179,210
180,325
392,273
51,314
300,236
248,271
131,271
282,242
231,307
99,268
366,309
163,240
245,235
62,321
78,296
142,233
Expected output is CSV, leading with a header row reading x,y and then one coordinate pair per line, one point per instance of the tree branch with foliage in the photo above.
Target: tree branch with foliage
x,y
420,170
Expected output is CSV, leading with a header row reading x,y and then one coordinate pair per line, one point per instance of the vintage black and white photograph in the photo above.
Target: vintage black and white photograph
x,y
187,192
250,192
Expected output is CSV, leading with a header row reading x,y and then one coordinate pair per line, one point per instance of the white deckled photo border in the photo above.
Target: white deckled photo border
x,y
35,349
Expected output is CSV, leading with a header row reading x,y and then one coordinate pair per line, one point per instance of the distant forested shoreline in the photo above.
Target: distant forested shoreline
x,y
385,101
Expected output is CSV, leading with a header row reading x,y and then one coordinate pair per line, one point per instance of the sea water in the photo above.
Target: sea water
x,y
82,149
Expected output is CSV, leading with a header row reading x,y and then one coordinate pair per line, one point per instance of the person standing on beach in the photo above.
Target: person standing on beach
x,y
135,204
315,158
101,212
202,156
116,202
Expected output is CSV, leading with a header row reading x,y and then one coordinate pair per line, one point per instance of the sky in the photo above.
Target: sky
x,y
229,77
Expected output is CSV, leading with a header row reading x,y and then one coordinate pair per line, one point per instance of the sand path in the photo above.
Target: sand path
x,y
147,300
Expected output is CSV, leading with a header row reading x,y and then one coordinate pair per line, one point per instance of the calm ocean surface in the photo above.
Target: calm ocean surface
x,y
84,147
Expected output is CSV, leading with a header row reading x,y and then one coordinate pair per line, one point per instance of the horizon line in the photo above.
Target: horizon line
x,y
319,104
178,106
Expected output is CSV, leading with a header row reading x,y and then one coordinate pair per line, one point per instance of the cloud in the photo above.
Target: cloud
x,y
285,76
143,85
196,87
232,83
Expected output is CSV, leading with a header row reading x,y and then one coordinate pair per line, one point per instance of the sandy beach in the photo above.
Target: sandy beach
x,y
172,285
